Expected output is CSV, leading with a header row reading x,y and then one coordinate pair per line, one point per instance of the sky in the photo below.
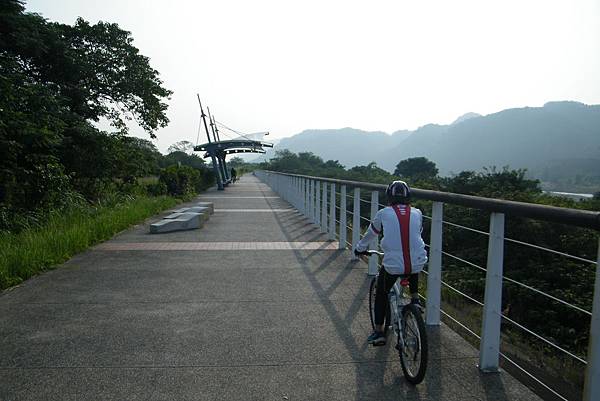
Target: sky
x,y
286,66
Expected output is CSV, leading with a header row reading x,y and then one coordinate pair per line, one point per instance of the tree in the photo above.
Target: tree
x,y
181,146
369,173
179,157
236,162
54,80
416,168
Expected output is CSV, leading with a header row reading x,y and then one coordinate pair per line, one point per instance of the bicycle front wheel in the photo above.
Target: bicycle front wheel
x,y
414,350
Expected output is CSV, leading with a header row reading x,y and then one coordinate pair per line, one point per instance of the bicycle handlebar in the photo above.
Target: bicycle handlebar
x,y
370,252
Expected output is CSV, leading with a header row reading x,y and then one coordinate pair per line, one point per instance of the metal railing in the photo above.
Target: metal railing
x,y
319,200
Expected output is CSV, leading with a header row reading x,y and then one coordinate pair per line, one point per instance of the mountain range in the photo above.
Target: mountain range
x,y
560,140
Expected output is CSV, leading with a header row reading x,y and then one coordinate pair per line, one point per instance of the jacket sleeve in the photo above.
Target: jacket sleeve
x,y
372,232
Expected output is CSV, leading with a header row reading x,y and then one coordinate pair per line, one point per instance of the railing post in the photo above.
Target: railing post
x,y
324,209
306,205
318,203
356,221
591,390
343,223
489,349
332,212
311,200
374,259
434,270
296,191
301,196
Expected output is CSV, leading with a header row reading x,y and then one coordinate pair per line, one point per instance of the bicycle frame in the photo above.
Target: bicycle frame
x,y
397,301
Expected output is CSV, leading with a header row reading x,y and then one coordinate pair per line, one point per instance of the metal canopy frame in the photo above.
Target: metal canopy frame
x,y
218,150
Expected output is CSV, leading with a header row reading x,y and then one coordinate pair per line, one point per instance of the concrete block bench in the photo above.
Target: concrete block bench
x,y
204,214
199,209
185,221
209,205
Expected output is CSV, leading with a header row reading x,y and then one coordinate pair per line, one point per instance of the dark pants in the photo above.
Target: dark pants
x,y
385,282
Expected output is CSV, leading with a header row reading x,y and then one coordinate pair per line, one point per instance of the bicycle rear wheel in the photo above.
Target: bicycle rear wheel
x,y
372,292
414,351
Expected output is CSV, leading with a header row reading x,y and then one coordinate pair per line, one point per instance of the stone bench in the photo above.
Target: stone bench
x,y
185,221
199,209
204,214
209,205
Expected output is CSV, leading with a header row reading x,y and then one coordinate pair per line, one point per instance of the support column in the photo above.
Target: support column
x,y
434,270
489,350
217,172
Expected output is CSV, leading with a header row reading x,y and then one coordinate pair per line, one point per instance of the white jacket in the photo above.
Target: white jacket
x,y
395,221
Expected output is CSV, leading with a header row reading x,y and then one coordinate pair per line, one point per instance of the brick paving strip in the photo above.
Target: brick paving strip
x,y
253,210
215,246
238,197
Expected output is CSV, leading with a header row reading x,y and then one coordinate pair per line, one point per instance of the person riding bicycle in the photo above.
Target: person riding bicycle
x,y
403,247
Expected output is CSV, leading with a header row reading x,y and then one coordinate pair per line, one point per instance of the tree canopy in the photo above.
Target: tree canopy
x,y
56,80
416,168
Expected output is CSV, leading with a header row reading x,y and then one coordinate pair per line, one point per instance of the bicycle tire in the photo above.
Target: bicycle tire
x,y
372,292
419,341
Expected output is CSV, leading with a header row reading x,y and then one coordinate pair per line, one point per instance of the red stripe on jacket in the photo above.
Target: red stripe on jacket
x,y
376,231
403,215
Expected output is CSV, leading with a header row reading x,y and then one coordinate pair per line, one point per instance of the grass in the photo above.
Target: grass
x,y
63,235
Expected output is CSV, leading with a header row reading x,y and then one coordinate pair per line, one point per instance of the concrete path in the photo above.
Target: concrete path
x,y
257,305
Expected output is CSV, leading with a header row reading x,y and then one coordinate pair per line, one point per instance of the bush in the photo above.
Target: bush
x,y
156,188
181,180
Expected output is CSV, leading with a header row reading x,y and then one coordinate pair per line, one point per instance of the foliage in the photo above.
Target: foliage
x,y
55,80
181,146
181,158
181,180
416,168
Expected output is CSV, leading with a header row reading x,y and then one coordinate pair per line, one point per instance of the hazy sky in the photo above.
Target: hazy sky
x,y
284,66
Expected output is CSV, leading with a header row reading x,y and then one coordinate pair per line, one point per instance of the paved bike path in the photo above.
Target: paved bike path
x,y
260,306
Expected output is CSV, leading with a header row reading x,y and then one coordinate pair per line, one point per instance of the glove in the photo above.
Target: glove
x,y
358,253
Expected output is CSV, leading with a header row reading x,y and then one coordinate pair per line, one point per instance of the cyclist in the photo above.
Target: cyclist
x,y
403,246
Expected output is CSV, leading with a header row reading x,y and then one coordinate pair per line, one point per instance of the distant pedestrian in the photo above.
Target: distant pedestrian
x,y
233,175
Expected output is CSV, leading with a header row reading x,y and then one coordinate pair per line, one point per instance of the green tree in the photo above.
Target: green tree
x,y
182,158
416,168
54,80
181,146
369,173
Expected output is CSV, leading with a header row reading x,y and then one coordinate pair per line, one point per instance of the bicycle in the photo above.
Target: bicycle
x,y
408,325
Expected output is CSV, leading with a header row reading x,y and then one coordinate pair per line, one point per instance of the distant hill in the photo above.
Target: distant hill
x,y
466,117
549,141
349,146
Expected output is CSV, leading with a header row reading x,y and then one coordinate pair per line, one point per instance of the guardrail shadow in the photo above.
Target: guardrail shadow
x,y
371,364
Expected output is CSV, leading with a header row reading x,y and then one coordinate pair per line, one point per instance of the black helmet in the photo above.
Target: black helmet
x,y
398,192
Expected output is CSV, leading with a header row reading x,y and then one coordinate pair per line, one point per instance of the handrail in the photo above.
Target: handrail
x,y
304,192
573,217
